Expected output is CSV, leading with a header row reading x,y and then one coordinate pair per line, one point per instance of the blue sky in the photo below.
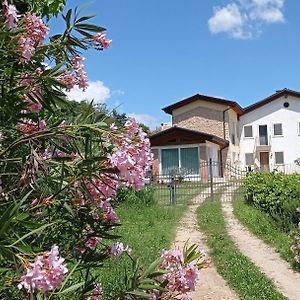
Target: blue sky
x,y
167,50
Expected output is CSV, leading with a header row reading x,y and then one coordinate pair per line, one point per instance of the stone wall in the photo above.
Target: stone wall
x,y
155,163
205,120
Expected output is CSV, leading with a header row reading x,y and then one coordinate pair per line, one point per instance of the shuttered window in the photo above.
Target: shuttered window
x,y
249,159
279,159
277,128
248,132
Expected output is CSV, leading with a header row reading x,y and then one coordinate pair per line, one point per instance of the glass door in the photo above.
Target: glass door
x,y
263,135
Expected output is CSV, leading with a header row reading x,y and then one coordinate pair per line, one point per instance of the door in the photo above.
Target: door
x,y
263,134
264,161
213,155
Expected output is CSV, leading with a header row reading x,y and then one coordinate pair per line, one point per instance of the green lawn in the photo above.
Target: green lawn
x,y
264,227
147,230
240,273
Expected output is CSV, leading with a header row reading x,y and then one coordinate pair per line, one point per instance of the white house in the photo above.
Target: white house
x,y
264,135
270,132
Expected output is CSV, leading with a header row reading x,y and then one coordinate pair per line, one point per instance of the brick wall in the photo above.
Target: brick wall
x,y
155,163
203,119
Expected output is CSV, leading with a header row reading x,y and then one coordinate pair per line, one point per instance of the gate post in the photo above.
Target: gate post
x,y
172,187
211,179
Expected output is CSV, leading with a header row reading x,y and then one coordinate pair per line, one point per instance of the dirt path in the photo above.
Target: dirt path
x,y
285,279
211,286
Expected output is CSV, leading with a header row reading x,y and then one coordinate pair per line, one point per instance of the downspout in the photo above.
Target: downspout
x,y
224,137
224,111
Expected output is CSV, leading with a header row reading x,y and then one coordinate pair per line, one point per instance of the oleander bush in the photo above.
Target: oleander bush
x,y
59,175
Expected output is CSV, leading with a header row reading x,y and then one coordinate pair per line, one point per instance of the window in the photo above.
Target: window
x,y
277,129
279,158
186,159
249,159
169,160
189,160
299,128
248,132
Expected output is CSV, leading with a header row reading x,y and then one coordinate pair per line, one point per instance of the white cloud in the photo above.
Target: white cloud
x,y
148,120
226,19
243,19
96,91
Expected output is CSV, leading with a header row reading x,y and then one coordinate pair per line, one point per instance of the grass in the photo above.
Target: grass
x,y
147,230
264,226
240,273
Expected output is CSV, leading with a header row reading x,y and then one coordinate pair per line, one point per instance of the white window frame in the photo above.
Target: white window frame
x,y
280,164
248,137
273,130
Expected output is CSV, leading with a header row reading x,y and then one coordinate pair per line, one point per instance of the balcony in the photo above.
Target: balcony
x,y
263,144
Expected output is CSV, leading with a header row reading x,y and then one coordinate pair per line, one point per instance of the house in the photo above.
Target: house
x,y
264,135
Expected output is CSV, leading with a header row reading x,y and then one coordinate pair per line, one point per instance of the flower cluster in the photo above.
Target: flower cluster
x,y
92,242
10,12
34,35
181,278
132,155
76,75
118,248
33,92
100,41
29,126
46,273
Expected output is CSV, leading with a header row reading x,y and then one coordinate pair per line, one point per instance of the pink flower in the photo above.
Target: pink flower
x,y
35,34
81,76
118,248
101,40
92,242
132,155
10,12
46,273
48,201
34,202
171,258
30,126
12,17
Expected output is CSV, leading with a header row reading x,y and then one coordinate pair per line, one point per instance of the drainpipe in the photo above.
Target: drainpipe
x,y
224,133
224,136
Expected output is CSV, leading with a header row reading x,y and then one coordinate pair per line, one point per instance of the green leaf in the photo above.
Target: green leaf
x,y
141,294
31,233
85,18
153,266
89,27
72,288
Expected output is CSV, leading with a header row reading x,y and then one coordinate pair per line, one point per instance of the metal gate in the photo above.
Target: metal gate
x,y
214,179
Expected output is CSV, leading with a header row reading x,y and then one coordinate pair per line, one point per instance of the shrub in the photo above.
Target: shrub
x,y
144,197
277,194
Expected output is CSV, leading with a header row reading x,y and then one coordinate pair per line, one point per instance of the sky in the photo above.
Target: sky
x,y
163,51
